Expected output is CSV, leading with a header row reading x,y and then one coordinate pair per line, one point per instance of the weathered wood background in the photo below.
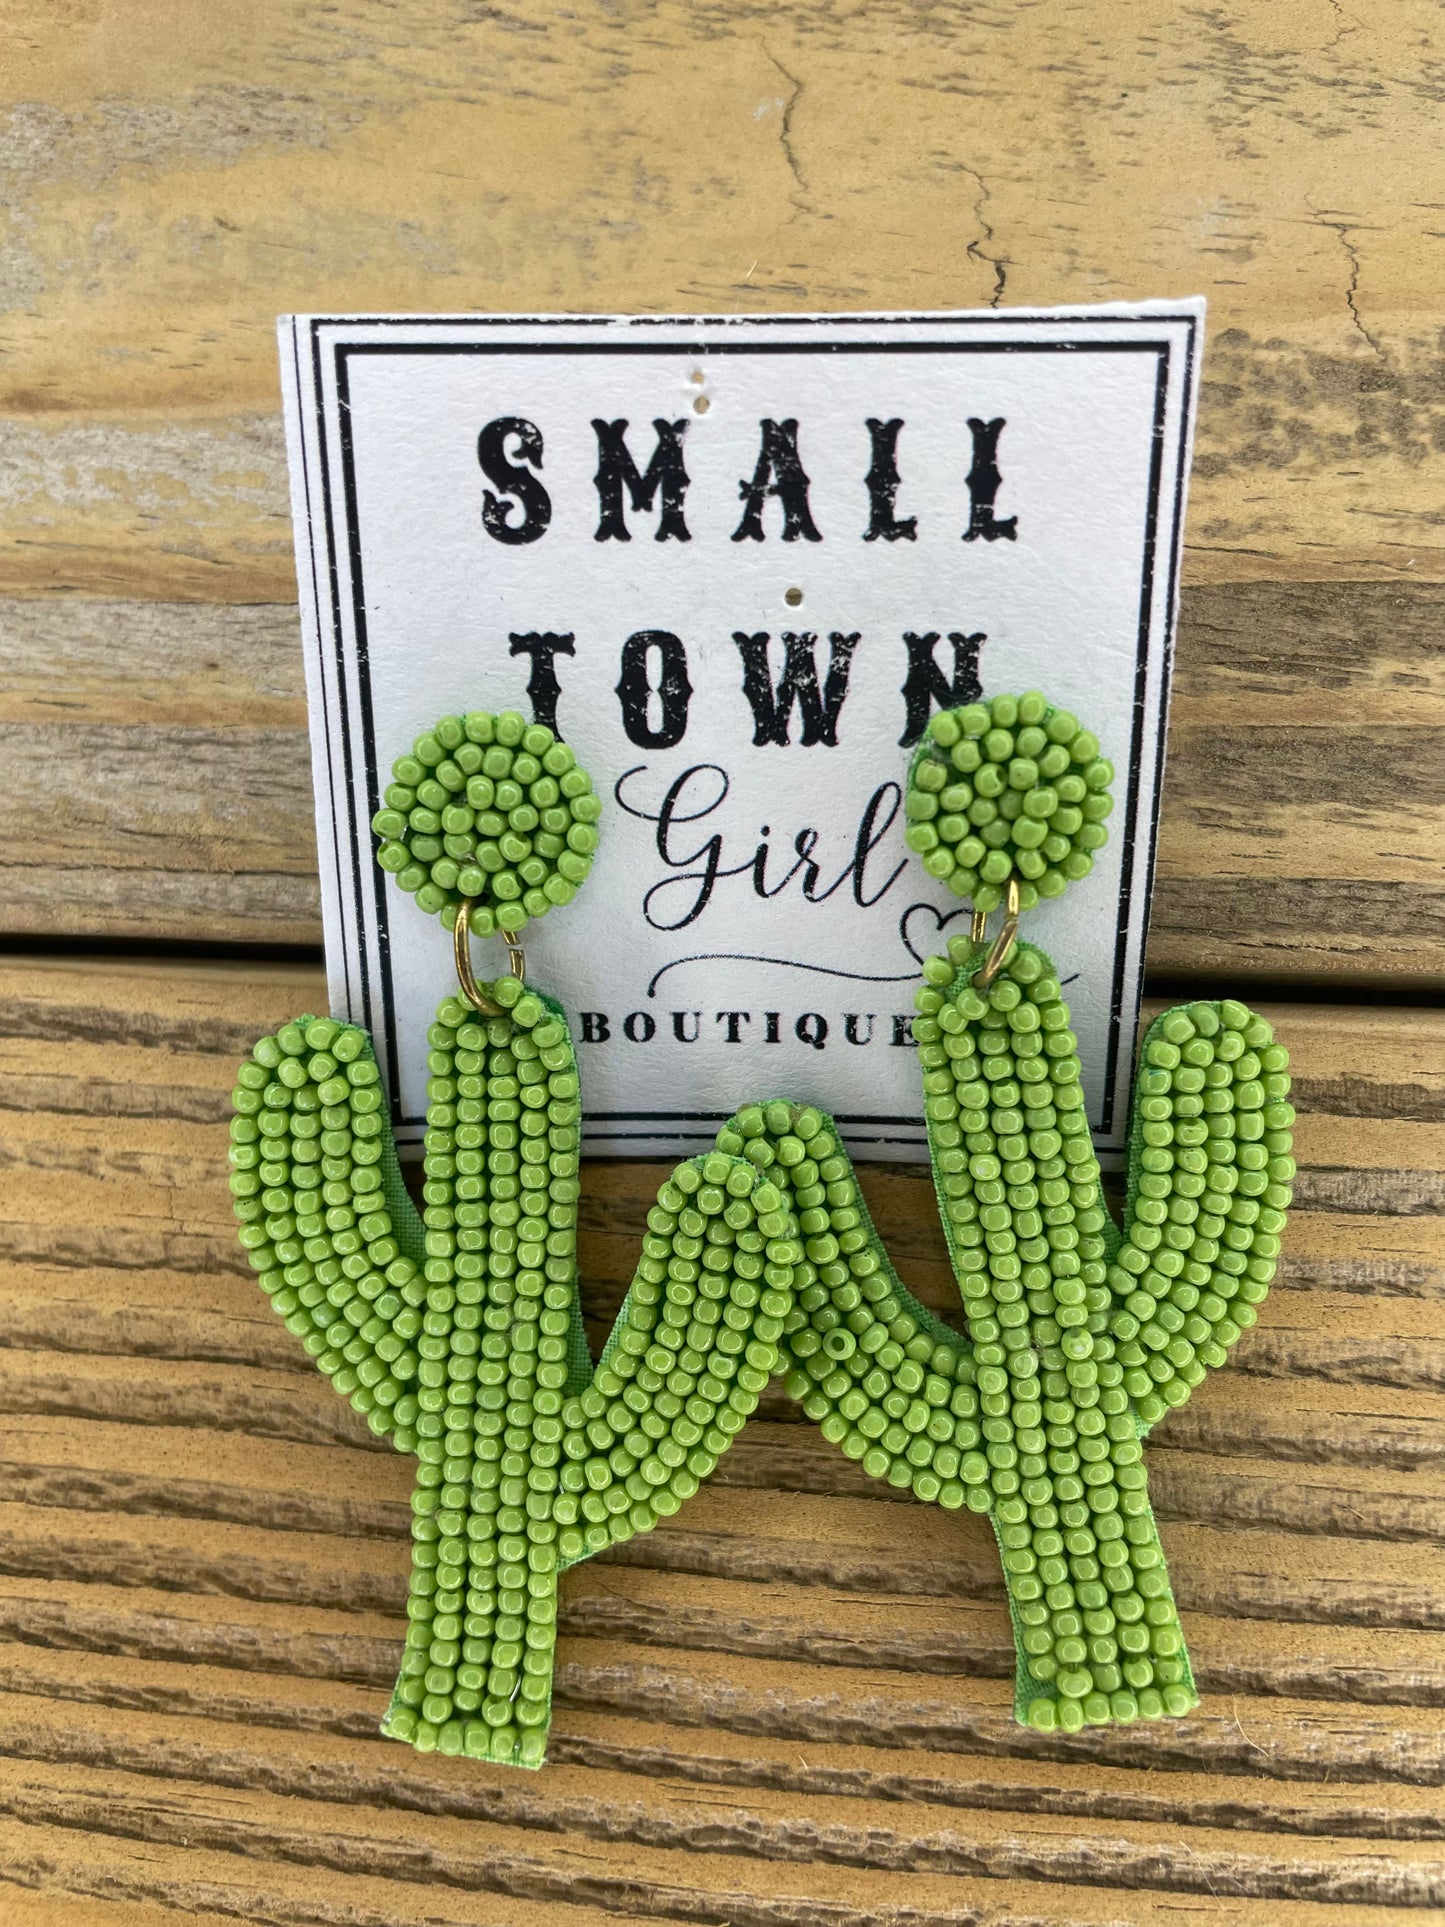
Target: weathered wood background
x,y
789,1705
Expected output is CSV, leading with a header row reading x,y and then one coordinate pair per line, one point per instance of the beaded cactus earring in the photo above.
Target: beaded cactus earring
x,y
458,1331
1083,1336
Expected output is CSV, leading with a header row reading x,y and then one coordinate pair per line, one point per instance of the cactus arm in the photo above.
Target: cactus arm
x,y
336,1242
882,1377
1210,1168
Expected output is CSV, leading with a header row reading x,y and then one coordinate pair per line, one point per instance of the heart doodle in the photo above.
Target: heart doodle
x,y
941,920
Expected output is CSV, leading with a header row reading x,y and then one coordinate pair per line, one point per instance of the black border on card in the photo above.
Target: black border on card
x,y
359,831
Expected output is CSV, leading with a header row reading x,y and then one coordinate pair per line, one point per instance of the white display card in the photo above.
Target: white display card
x,y
738,561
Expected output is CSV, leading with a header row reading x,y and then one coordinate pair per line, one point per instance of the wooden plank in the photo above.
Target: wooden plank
x,y
788,1705
1303,828
26,1907
174,186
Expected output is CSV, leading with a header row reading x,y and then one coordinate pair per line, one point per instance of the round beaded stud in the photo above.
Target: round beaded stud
x,y
1009,788
492,809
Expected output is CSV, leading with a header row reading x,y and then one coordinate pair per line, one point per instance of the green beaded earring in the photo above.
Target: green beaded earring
x,y
458,1330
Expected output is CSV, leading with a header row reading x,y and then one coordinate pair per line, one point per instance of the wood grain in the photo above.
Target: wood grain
x,y
155,771
788,1705
177,176
170,188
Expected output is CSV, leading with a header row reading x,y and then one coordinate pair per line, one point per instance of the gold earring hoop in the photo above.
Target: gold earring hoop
x,y
462,951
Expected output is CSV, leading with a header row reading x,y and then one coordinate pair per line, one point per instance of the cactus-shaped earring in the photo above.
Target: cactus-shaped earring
x,y
1083,1337
458,1331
